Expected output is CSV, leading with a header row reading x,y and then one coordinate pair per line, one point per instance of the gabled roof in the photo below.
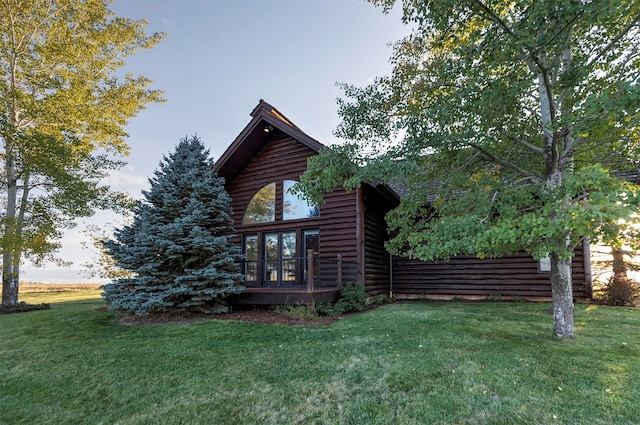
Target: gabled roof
x,y
253,138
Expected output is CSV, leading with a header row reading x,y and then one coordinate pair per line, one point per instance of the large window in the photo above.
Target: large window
x,y
262,207
294,207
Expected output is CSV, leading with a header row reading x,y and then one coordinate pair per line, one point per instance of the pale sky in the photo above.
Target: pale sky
x,y
220,57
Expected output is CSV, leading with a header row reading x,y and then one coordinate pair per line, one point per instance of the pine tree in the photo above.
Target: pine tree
x,y
177,246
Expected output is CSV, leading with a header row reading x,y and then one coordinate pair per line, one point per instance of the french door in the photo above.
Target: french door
x,y
279,258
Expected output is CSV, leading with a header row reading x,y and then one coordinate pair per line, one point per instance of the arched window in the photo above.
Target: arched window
x,y
262,207
294,207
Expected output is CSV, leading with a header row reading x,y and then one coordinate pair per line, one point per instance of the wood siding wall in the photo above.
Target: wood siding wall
x,y
377,259
516,275
284,158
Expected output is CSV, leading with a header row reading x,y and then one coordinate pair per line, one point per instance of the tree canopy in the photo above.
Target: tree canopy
x,y
177,247
507,122
63,109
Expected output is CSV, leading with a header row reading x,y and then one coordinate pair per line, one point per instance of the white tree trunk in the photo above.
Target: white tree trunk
x,y
562,296
10,265
561,286
10,256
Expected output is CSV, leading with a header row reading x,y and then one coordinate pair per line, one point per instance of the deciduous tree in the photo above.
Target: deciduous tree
x,y
502,118
63,110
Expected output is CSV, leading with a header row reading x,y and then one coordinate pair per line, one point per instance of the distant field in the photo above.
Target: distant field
x,y
30,287
37,292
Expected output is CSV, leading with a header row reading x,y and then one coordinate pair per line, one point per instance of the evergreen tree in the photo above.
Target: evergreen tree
x,y
177,246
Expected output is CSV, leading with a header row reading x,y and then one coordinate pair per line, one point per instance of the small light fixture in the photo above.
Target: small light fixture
x,y
268,128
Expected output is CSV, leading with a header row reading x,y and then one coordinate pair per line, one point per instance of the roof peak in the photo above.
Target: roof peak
x,y
266,108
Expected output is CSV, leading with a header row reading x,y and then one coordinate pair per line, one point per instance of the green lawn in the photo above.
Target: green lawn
x,y
409,363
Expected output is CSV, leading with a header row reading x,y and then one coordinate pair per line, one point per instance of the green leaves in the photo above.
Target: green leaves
x,y
62,115
489,103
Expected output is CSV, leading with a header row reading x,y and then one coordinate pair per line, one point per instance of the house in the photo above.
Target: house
x,y
301,253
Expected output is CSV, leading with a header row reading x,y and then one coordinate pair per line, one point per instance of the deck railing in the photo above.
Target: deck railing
x,y
327,272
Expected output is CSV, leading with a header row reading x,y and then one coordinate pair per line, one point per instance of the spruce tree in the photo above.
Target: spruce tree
x,y
177,246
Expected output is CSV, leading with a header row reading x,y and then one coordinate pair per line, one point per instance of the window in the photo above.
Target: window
x,y
262,207
250,250
294,207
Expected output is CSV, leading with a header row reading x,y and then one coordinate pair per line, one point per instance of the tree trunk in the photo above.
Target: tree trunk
x,y
10,261
562,297
10,284
619,267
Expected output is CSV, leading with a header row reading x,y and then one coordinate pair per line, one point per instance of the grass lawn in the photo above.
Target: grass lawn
x,y
406,363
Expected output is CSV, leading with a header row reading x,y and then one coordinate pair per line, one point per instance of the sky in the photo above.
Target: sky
x,y
219,58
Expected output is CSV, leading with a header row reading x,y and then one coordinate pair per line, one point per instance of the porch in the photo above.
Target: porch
x,y
288,280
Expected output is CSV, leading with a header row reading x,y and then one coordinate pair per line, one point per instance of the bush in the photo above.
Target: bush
x,y
620,292
298,312
352,298
22,307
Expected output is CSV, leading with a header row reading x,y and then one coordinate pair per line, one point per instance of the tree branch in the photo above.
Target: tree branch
x,y
614,41
507,164
523,142
532,54
496,19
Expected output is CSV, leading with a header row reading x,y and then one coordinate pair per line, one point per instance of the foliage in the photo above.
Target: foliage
x,y
177,247
63,110
505,121
300,312
620,292
405,363
102,265
22,307
352,298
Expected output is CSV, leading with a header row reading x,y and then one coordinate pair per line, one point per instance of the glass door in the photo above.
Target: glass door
x,y
311,240
289,257
280,258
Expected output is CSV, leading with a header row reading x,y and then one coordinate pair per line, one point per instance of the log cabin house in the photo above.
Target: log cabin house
x,y
300,253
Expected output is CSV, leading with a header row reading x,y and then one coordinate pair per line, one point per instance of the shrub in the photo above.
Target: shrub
x,y
22,307
620,292
326,309
352,298
298,312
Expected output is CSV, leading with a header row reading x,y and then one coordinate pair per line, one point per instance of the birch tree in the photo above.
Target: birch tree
x,y
505,120
63,110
